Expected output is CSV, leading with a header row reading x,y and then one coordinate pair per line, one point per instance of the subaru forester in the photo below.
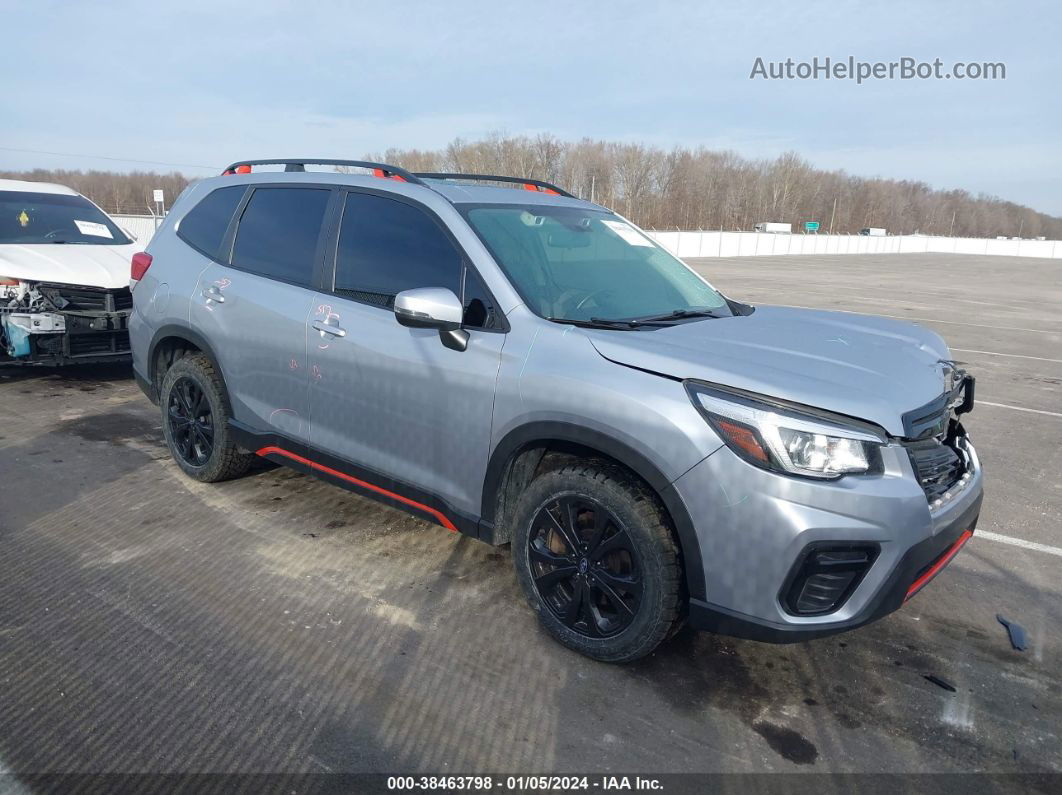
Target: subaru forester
x,y
524,367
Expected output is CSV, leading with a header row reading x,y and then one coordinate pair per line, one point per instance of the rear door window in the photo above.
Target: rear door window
x,y
205,225
387,246
279,232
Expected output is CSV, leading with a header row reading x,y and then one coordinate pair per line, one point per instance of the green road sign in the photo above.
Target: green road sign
x,y
811,226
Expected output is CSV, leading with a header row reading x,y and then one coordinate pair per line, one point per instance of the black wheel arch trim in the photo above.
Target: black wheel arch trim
x,y
174,331
537,433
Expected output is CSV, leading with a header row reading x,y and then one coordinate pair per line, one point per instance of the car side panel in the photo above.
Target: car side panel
x,y
396,400
551,373
259,336
163,296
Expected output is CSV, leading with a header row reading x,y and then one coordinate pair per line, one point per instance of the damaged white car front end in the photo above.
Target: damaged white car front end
x,y
64,271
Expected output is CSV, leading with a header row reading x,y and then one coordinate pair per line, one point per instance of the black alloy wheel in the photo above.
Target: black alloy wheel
x,y
585,566
191,422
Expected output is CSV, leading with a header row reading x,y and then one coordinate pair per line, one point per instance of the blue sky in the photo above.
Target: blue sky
x,y
205,83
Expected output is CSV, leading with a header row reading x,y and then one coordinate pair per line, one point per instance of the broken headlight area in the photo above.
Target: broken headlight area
x,y
789,439
62,324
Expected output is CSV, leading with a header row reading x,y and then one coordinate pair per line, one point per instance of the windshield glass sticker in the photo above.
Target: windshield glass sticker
x,y
628,233
23,219
94,229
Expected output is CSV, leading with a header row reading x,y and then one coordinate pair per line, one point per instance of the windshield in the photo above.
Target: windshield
x,y
579,264
55,218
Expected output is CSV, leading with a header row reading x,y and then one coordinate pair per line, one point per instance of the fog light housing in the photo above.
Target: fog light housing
x,y
825,576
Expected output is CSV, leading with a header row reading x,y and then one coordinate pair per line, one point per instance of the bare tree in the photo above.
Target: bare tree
x,y
677,188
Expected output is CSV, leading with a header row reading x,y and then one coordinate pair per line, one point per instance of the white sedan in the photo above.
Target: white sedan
x,y
64,277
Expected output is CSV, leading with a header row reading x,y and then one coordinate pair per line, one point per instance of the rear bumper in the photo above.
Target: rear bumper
x,y
915,570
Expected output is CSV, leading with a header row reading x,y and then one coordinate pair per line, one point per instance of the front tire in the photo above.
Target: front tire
x,y
597,561
195,415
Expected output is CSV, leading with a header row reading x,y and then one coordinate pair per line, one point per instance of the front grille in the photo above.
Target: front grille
x,y
99,344
88,299
937,462
935,439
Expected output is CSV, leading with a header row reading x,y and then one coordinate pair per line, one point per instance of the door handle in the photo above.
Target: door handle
x,y
329,328
214,294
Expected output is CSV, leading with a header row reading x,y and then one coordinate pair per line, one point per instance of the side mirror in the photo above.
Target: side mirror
x,y
429,307
435,308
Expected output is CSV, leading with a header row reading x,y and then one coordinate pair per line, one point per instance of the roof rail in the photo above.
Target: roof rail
x,y
394,172
380,169
529,184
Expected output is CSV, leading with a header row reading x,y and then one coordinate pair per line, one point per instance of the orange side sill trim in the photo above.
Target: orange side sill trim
x,y
441,517
953,550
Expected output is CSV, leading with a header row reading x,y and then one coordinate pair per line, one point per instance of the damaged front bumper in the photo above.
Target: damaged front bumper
x,y
63,324
759,532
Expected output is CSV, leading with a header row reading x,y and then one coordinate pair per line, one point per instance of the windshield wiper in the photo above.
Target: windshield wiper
x,y
677,314
597,322
636,322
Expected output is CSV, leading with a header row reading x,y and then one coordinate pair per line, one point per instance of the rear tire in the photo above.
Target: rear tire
x,y
195,415
612,590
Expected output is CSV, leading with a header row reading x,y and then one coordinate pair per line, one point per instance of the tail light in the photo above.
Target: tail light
x,y
139,266
7,281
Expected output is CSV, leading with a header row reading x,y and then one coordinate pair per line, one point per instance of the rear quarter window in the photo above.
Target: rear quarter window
x,y
205,225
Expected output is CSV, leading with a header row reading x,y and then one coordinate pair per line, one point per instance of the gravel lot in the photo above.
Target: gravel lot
x,y
275,623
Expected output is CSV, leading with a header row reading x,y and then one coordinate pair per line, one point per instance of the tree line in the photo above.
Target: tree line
x,y
118,193
698,188
678,188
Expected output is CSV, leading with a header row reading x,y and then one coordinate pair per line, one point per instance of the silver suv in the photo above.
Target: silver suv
x,y
525,367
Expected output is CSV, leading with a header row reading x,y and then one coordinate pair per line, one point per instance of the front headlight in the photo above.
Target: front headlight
x,y
789,439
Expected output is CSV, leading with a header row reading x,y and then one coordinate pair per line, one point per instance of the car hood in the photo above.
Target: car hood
x,y
871,368
90,266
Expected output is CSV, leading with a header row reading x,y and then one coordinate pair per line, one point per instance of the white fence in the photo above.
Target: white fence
x,y
142,227
751,244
